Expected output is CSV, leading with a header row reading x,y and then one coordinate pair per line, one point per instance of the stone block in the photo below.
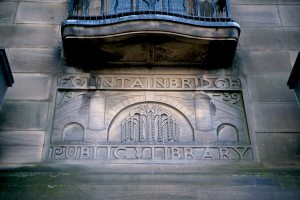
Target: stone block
x,y
270,88
279,148
264,62
35,59
289,15
252,2
20,35
291,38
276,117
259,15
7,11
17,147
288,2
258,37
22,115
293,55
30,87
41,12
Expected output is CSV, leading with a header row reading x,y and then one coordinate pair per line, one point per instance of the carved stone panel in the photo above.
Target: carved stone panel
x,y
120,119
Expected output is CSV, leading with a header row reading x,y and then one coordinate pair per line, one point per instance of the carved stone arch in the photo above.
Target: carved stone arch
x,y
137,119
235,123
229,120
71,119
227,133
57,133
73,132
178,106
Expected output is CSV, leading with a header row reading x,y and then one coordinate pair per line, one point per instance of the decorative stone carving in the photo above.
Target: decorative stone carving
x,y
150,123
133,119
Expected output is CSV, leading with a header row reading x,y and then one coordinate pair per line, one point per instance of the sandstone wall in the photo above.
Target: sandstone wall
x,y
268,46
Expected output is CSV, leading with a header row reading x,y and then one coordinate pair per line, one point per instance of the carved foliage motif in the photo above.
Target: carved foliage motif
x,y
150,123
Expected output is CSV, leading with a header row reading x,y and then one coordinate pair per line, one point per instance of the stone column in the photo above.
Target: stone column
x,y
203,111
97,111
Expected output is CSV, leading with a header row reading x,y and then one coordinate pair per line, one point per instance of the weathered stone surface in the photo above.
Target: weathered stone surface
x,y
35,59
20,35
7,11
43,12
265,58
255,37
259,2
259,15
40,0
22,115
279,148
204,186
291,38
253,2
289,15
288,2
293,55
21,146
276,117
264,62
30,87
155,70
270,88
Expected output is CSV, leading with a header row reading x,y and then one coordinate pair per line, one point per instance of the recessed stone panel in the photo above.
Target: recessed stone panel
x,y
279,148
22,115
42,12
146,119
276,117
30,87
17,147
270,88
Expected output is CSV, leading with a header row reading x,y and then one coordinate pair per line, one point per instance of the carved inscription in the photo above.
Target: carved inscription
x,y
132,119
150,152
149,82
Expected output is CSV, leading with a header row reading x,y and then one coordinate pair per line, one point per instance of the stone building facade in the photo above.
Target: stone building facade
x,y
165,131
